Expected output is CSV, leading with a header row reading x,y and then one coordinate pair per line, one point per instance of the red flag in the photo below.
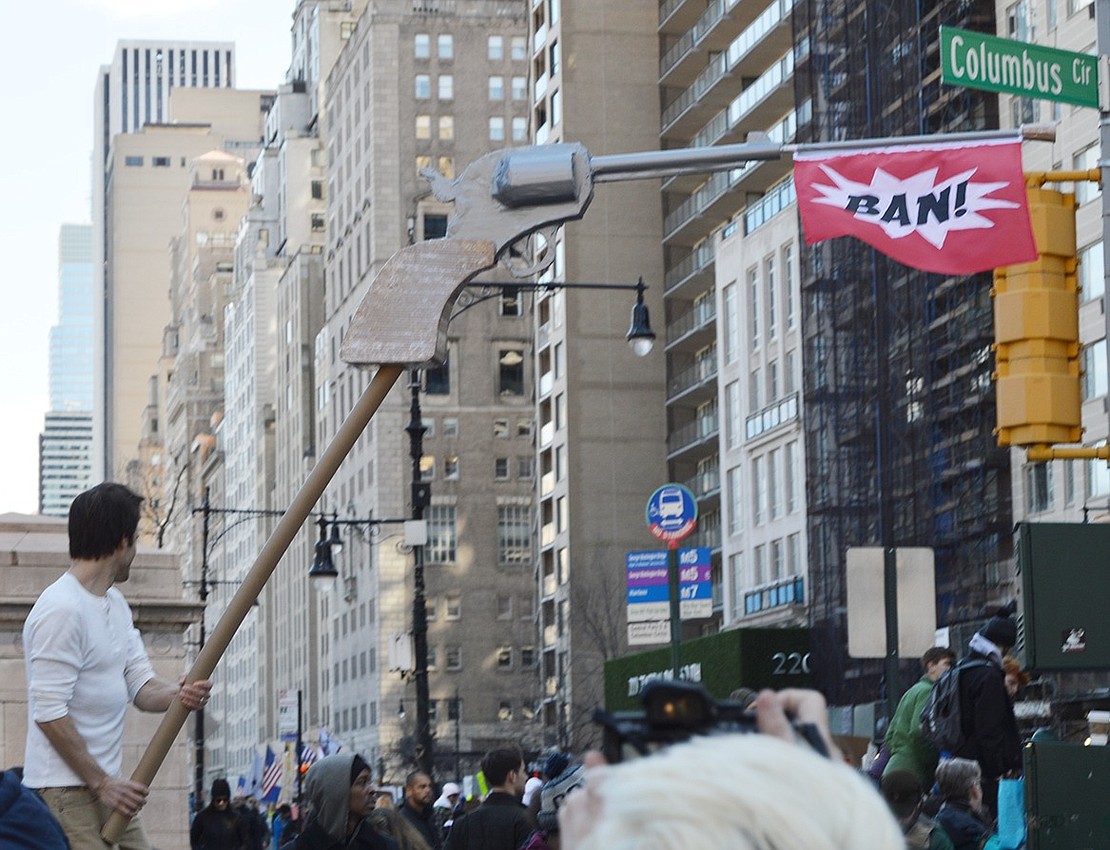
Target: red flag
x,y
949,207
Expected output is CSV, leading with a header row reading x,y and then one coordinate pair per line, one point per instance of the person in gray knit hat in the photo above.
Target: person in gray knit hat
x,y
989,727
339,794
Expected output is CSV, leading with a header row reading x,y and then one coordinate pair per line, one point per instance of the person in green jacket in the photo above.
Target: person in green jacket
x,y
908,749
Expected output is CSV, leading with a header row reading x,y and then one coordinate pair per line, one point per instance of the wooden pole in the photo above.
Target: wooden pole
x,y
259,574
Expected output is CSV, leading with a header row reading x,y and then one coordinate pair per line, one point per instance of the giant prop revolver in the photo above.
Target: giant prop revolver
x,y
500,199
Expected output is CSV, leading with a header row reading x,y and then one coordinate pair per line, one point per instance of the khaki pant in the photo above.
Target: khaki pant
x,y
82,816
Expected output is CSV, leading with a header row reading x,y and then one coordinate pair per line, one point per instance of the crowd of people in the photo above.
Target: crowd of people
x,y
775,790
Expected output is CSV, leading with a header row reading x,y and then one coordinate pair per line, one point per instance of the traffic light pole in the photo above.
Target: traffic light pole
x,y
1102,43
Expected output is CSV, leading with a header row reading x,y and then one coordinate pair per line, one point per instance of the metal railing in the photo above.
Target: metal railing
x,y
698,259
703,314
706,428
788,591
782,411
693,376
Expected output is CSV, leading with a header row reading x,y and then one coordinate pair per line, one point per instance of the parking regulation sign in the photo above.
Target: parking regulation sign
x,y
672,513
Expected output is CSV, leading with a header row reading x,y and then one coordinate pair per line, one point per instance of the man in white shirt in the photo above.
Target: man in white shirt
x,y
85,662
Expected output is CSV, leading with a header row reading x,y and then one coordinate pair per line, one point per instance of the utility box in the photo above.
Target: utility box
x,y
1063,570
1066,791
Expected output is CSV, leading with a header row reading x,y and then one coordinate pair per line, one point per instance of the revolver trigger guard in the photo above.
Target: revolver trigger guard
x,y
514,257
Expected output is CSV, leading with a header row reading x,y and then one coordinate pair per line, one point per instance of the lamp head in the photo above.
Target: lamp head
x,y
323,573
640,335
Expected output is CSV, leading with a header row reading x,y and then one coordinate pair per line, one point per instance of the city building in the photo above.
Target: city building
x,y
66,444
431,86
65,460
600,411
1066,490
733,304
131,92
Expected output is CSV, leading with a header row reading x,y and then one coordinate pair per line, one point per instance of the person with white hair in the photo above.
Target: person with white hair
x,y
960,783
742,792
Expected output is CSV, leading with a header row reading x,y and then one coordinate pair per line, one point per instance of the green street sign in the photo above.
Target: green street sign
x,y
982,61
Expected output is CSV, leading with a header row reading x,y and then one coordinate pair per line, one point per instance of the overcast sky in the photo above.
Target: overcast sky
x,y
49,66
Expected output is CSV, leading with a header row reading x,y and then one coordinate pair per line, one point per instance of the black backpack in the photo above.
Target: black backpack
x,y
942,716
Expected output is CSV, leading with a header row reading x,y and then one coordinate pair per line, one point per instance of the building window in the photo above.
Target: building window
x,y
447,127
527,656
519,88
450,426
514,535
423,87
1038,487
511,302
317,220
453,657
505,711
422,45
451,468
1085,160
435,226
519,48
728,323
504,658
430,607
1094,370
427,468
423,126
1098,478
504,606
317,190
442,537
446,87
501,469
447,169
160,162
1092,272
496,128
753,305
132,161
445,46
735,518
501,428
437,380
520,129
510,377
759,555
495,48
788,284
452,606
496,88
759,491
734,420
525,464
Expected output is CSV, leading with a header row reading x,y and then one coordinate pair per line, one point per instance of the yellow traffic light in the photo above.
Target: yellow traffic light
x,y
1036,327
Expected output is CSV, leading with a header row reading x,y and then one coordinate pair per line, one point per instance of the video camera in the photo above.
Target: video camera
x,y
676,711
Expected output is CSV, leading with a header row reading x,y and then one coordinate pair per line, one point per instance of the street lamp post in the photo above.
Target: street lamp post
x,y
421,498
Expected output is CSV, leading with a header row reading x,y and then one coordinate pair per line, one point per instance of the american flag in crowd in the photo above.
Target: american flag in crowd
x,y
271,775
309,754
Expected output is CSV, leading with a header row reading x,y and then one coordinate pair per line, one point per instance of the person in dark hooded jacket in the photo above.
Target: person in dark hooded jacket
x,y
339,794
989,727
25,821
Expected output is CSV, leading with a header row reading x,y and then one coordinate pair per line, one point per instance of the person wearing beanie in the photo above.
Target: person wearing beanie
x,y
990,730
339,795
216,826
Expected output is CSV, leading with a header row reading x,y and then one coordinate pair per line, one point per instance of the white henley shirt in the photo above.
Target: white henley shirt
x,y
85,659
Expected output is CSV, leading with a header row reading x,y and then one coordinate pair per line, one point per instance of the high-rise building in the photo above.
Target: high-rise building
x,y
599,410
733,304
435,85
132,92
65,447
65,460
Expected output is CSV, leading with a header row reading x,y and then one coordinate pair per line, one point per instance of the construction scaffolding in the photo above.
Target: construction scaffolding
x,y
898,398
